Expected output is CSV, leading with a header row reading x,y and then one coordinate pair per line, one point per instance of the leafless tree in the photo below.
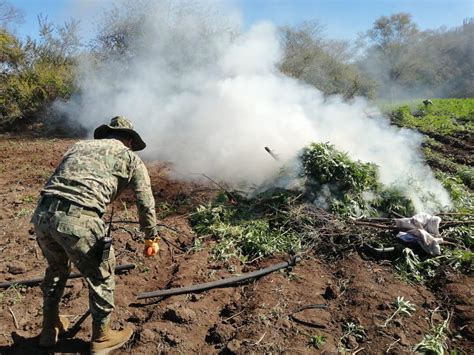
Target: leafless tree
x,y
323,63
10,14
407,63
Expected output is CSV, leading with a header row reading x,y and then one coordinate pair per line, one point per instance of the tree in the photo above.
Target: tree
x,y
9,14
118,28
450,53
37,71
325,64
56,45
389,34
408,63
390,56
11,53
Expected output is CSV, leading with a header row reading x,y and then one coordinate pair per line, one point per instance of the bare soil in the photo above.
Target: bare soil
x,y
458,149
256,317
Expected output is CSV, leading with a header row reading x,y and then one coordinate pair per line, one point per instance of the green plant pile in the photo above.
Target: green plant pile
x,y
282,221
251,229
354,188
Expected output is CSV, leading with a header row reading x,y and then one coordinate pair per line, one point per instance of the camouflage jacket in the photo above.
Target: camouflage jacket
x,y
94,172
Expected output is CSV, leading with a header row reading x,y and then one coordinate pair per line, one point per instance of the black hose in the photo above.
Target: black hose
x,y
380,253
220,283
36,281
301,321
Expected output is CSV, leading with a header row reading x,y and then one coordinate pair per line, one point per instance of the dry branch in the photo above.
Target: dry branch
x,y
14,318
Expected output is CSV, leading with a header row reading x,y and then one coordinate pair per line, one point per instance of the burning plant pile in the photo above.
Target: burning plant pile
x,y
289,220
347,187
340,205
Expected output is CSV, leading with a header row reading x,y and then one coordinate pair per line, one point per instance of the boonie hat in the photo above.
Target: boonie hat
x,y
120,123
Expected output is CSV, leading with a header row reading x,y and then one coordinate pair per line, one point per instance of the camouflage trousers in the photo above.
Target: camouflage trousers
x,y
64,238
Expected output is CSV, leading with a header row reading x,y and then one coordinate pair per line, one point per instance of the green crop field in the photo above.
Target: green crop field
x,y
445,116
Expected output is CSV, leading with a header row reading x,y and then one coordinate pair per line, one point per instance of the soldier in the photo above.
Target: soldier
x,y
69,227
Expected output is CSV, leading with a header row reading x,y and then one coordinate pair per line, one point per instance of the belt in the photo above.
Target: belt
x,y
55,203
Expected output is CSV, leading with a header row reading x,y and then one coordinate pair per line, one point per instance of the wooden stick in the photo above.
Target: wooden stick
x,y
456,223
261,338
375,225
233,316
390,346
14,318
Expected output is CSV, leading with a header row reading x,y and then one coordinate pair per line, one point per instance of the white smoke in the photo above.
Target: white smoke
x,y
209,101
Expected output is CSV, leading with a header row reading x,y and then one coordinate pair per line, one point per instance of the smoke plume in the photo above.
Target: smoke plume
x,y
209,98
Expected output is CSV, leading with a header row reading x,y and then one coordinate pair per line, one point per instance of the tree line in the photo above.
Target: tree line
x,y
392,60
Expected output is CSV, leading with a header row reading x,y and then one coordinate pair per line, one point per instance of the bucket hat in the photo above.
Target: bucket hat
x,y
121,124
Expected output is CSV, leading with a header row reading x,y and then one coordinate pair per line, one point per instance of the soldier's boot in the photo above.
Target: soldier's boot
x,y
53,326
105,339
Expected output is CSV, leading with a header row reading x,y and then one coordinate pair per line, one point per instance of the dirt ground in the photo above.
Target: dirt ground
x,y
257,317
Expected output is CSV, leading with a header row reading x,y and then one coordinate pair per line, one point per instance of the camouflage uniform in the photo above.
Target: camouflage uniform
x,y
68,224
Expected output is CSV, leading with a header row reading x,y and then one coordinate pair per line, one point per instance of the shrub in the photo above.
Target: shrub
x,y
37,72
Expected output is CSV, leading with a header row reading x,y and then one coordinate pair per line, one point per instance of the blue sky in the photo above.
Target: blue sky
x,y
342,19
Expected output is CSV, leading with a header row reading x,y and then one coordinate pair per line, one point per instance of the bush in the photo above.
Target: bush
x,y
36,73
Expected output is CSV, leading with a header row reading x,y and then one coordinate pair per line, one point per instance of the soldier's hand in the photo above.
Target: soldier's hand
x,y
151,247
